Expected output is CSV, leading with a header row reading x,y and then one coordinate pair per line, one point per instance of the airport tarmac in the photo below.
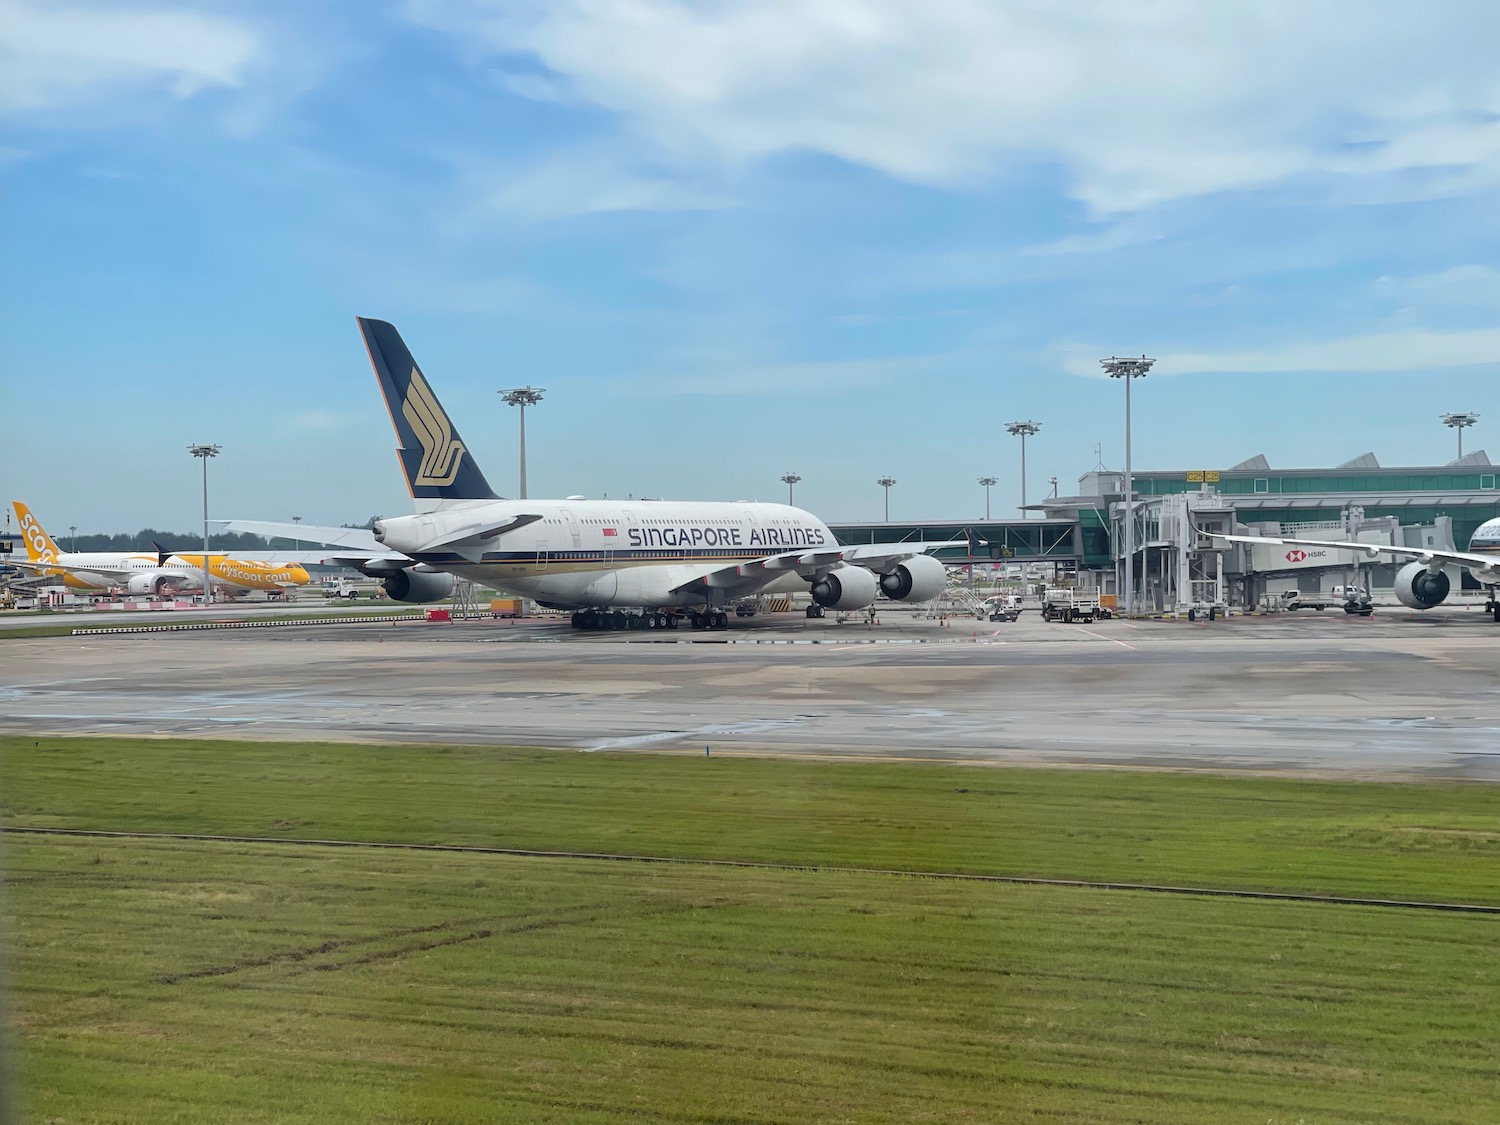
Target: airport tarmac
x,y
1400,695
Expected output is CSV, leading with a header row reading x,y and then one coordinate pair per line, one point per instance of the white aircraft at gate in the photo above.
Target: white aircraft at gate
x,y
616,564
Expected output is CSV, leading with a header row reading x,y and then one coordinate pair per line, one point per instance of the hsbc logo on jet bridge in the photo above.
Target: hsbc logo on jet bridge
x,y
1297,555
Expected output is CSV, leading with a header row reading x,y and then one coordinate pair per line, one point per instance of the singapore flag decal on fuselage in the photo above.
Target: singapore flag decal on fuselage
x,y
641,564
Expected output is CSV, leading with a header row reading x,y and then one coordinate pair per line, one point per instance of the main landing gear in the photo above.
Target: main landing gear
x,y
604,620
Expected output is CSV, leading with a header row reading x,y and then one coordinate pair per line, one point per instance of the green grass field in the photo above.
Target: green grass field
x,y
175,981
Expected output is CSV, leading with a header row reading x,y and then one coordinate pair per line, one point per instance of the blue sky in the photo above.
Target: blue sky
x,y
849,238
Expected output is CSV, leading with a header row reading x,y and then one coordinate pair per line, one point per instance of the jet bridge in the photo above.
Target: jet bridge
x,y
1040,540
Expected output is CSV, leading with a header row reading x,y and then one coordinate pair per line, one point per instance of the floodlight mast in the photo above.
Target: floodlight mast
x,y
203,453
988,482
523,397
1460,422
1128,369
885,483
790,480
1023,430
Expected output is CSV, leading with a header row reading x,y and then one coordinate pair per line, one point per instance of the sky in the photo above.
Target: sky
x,y
847,239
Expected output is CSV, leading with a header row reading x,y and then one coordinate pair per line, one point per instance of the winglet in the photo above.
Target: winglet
x,y
435,460
162,554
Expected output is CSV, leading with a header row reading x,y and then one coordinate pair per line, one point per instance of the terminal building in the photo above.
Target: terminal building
x,y
1178,562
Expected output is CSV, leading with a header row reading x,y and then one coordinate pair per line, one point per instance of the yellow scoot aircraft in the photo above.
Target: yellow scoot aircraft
x,y
161,574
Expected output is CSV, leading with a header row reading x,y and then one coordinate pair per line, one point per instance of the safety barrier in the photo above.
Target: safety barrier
x,y
361,620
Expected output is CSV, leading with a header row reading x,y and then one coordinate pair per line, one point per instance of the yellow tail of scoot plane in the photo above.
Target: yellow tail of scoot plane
x,y
41,549
39,545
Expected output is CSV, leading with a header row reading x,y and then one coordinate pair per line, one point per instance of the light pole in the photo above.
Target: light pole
x,y
1023,430
1053,482
885,483
297,543
1459,422
1128,369
789,479
73,538
203,453
523,397
987,482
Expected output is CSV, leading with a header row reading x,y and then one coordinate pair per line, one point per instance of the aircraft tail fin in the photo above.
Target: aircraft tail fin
x,y
437,464
39,545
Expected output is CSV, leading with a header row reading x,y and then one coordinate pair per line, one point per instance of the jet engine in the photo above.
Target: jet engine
x,y
845,587
918,579
1419,588
159,584
418,586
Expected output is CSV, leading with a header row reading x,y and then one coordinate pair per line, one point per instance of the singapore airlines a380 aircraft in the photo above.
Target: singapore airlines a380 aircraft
x,y
617,564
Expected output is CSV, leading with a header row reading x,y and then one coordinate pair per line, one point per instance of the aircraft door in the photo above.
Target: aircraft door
x,y
542,556
573,528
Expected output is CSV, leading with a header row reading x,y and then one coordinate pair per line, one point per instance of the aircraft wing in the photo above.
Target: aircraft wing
x,y
747,577
72,568
361,538
1425,555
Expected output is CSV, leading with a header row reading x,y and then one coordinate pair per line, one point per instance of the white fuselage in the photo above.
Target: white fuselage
x,y
597,553
117,569
1485,541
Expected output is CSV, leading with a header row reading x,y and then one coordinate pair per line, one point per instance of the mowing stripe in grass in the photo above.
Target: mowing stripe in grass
x,y
1021,880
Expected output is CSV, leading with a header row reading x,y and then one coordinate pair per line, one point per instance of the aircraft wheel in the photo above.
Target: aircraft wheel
x,y
617,620
672,621
721,620
633,622
577,621
697,620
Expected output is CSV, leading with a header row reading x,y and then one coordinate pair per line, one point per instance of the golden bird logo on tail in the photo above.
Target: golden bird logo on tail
x,y
442,453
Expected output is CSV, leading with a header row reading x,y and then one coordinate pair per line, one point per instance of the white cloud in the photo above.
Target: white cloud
x,y
1137,103
1461,285
1381,351
57,54
807,378
579,181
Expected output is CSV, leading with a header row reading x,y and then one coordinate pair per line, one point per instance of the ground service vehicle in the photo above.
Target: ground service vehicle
x,y
1064,603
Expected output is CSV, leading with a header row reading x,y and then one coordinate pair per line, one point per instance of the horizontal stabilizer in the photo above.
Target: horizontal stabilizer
x,y
476,533
376,566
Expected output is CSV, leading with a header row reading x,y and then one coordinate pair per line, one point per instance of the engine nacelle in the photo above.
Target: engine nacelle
x,y
1419,588
158,584
845,587
418,586
918,579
